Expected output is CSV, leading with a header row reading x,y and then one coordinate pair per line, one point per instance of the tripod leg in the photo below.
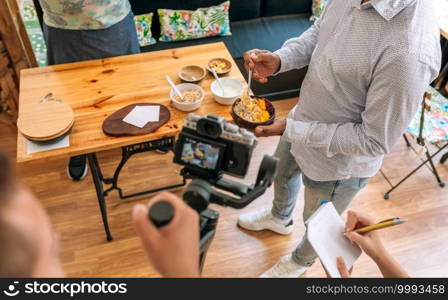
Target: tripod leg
x,y
434,170
202,260
208,230
406,140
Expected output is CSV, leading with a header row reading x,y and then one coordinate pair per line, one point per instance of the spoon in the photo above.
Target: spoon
x,y
174,87
249,81
219,82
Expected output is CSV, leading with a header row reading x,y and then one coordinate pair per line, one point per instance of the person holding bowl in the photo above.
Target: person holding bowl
x,y
369,63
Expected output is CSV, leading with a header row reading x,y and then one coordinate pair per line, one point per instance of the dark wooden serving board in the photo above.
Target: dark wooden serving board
x,y
114,125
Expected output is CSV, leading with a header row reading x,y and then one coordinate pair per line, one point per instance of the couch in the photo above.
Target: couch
x,y
263,24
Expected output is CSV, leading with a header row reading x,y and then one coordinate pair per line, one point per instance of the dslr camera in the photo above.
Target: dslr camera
x,y
209,146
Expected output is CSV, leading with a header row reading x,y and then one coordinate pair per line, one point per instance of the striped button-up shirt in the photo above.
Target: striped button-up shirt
x,y
369,65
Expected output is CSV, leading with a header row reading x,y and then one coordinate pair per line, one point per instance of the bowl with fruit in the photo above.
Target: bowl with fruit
x,y
251,111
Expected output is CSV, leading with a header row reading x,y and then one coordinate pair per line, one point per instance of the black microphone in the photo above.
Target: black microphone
x,y
161,213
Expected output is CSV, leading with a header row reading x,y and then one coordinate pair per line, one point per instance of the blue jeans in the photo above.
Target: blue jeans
x,y
286,189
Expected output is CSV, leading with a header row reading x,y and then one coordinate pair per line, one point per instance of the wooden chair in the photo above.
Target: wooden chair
x,y
430,125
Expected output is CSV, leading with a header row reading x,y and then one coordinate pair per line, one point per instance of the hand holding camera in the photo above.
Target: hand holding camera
x,y
173,248
207,147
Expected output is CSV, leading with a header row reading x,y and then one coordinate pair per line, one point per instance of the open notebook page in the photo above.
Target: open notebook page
x,y
325,234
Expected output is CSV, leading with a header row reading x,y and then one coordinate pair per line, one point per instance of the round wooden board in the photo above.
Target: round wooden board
x,y
51,138
114,125
46,121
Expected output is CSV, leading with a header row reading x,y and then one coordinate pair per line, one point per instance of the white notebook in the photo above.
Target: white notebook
x,y
325,234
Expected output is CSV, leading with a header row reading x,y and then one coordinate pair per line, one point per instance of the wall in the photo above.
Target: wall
x,y
15,55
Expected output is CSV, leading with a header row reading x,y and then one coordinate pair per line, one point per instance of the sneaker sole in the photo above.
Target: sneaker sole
x,y
283,231
297,275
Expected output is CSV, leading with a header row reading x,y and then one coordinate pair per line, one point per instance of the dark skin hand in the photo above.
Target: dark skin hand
x,y
275,129
263,64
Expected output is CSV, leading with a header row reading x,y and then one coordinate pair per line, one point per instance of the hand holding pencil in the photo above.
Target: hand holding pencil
x,y
370,242
362,230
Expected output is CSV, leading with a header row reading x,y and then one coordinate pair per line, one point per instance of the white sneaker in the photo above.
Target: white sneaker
x,y
261,220
285,268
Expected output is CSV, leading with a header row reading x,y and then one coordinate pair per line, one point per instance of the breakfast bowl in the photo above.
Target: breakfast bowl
x,y
192,73
220,65
193,95
246,114
233,89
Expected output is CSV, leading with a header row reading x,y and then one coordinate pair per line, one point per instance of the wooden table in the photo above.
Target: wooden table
x,y
125,80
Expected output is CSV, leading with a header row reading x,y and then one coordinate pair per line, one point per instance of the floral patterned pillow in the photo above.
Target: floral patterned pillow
x,y
317,8
143,28
180,25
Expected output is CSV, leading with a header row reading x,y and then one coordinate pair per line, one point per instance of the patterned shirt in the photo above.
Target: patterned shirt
x,y
84,14
369,65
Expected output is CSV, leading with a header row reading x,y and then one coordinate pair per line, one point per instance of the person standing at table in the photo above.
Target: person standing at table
x,y
369,64
77,30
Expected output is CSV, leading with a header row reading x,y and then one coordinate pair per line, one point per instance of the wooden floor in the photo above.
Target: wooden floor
x,y
421,245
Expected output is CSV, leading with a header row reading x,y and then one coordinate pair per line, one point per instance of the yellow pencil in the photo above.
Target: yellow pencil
x,y
380,225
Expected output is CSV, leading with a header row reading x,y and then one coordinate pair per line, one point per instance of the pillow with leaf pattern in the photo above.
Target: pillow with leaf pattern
x,y
180,25
143,28
317,8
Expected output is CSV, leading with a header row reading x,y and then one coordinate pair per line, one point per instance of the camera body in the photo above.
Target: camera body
x,y
209,146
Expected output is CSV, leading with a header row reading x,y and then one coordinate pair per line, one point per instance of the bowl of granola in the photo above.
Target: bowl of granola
x,y
192,96
251,111
220,65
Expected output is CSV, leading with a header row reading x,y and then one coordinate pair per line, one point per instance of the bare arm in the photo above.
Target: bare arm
x,y
390,268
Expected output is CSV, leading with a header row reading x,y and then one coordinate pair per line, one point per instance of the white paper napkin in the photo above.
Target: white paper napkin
x,y
141,115
33,147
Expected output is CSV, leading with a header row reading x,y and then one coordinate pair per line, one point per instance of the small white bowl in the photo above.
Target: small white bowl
x,y
233,90
186,106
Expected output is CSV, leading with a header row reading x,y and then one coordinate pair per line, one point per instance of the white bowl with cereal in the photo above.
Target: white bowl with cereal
x,y
192,94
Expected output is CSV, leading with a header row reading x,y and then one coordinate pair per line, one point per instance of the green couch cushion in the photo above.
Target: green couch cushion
x,y
239,9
